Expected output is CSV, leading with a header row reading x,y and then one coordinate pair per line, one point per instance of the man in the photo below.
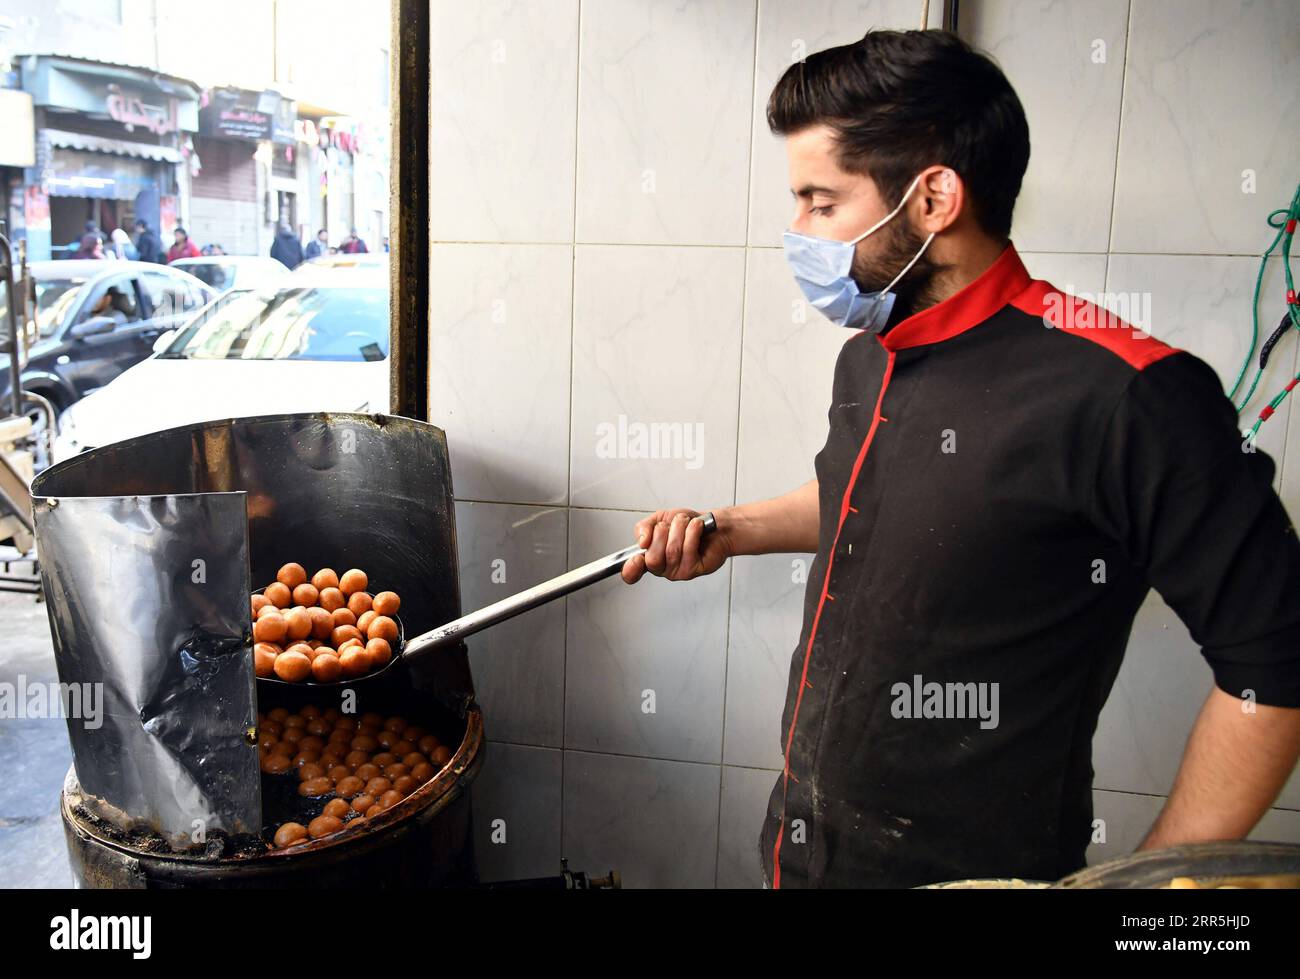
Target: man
x,y
287,249
353,245
318,246
1007,472
115,305
182,247
147,243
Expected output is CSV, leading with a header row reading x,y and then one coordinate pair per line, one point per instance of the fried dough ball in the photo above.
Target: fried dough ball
x,y
293,667
382,627
290,833
291,575
279,594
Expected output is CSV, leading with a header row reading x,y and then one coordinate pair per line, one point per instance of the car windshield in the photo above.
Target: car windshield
x,y
53,297
337,324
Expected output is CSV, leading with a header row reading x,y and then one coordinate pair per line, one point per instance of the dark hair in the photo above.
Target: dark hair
x,y
900,101
180,231
142,223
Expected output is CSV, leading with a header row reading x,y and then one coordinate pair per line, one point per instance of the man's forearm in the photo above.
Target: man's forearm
x,y
782,525
1233,768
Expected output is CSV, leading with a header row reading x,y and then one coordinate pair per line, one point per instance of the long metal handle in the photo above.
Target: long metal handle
x,y
547,591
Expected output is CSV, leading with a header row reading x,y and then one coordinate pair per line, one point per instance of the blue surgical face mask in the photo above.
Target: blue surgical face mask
x,y
823,268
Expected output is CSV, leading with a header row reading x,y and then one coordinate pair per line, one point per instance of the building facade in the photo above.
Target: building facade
x,y
227,125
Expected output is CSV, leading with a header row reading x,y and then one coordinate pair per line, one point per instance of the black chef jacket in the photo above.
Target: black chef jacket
x,y
1006,475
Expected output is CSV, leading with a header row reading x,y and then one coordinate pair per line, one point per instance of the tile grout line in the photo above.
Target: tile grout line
x,y
776,248
735,472
1119,136
568,488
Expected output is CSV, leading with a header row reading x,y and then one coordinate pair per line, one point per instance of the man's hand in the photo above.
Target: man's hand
x,y
1233,768
676,547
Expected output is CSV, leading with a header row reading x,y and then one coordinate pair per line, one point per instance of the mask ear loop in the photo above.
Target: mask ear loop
x,y
915,258
890,216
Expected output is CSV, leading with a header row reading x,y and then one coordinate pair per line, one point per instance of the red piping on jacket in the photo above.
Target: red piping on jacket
x,y
821,602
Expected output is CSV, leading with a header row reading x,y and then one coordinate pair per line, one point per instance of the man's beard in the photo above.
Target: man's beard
x,y
915,290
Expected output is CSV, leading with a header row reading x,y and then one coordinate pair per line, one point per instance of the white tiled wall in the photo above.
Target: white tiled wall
x,y
607,212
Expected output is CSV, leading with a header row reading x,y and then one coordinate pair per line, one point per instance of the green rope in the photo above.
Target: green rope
x,y
1279,219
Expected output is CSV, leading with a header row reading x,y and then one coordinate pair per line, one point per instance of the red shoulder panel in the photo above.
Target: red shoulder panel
x,y
1067,313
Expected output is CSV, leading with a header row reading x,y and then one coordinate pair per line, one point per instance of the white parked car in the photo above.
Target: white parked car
x,y
226,272
308,344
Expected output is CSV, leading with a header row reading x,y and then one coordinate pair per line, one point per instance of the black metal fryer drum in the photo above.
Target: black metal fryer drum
x,y
119,529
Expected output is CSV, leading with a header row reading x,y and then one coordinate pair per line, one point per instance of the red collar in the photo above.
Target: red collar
x,y
1001,282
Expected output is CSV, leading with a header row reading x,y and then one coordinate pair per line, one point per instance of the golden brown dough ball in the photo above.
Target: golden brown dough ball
x,y
276,763
289,834
325,578
386,603
306,595
331,598
324,826
380,653
291,575
337,808
297,624
349,786
382,627
310,771
315,787
293,667
353,581
322,623
342,633
422,773
264,655
326,668
354,662
270,628
279,595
